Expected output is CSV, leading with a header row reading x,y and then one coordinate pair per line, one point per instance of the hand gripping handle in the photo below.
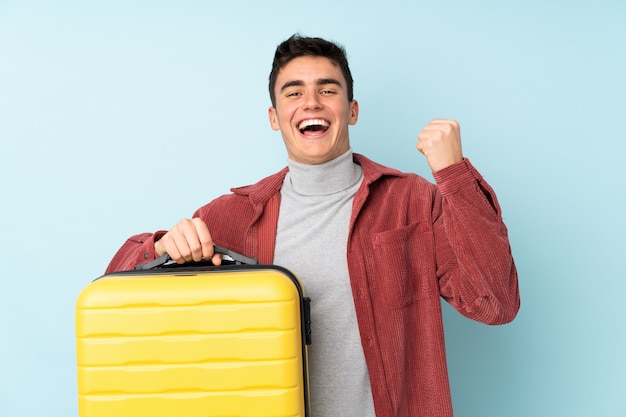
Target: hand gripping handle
x,y
165,258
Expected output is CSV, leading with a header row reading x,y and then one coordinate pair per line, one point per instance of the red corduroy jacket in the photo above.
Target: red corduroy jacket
x,y
410,243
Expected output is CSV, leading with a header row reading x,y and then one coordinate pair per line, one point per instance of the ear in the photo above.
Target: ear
x,y
271,112
354,112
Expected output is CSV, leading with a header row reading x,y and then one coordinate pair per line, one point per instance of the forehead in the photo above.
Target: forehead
x,y
309,69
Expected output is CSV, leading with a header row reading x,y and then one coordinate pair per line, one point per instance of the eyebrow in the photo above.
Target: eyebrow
x,y
298,83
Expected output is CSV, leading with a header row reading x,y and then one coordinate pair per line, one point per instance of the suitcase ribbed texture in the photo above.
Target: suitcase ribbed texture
x,y
224,343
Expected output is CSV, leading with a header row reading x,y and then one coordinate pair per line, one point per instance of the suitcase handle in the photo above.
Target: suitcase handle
x,y
238,258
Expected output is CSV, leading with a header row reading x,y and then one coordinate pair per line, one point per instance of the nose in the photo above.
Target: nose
x,y
312,101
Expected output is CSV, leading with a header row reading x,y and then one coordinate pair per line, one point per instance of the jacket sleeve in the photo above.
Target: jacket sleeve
x,y
137,249
475,267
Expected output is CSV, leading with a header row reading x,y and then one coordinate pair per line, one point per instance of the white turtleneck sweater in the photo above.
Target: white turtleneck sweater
x,y
311,241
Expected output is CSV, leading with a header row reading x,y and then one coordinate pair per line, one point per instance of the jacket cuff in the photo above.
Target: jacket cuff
x,y
148,254
456,177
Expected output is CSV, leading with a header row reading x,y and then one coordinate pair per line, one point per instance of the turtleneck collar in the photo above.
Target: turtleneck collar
x,y
328,178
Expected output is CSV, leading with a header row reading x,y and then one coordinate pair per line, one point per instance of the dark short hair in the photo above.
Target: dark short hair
x,y
297,46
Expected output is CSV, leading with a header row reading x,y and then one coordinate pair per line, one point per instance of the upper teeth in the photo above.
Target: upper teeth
x,y
312,122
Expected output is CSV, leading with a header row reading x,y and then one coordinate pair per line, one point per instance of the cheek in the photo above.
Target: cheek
x,y
283,116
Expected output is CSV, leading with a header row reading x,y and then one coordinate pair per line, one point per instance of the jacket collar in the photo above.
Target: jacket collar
x,y
263,190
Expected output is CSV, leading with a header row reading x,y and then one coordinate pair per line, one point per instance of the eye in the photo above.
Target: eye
x,y
327,92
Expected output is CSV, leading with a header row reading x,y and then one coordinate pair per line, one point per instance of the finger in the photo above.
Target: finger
x,y
159,247
181,243
421,147
204,239
446,126
425,141
167,245
195,241
424,137
217,259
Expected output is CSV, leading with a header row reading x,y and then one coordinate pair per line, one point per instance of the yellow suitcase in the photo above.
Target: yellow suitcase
x,y
201,341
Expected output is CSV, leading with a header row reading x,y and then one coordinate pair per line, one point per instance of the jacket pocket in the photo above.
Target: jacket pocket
x,y
405,270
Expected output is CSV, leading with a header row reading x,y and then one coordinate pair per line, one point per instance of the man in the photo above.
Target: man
x,y
374,247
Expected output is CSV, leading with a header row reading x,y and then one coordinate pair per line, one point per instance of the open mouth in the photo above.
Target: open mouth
x,y
313,126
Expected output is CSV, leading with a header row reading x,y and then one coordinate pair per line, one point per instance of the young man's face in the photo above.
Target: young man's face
x,y
312,110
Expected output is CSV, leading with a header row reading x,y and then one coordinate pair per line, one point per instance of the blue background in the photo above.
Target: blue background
x,y
119,117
